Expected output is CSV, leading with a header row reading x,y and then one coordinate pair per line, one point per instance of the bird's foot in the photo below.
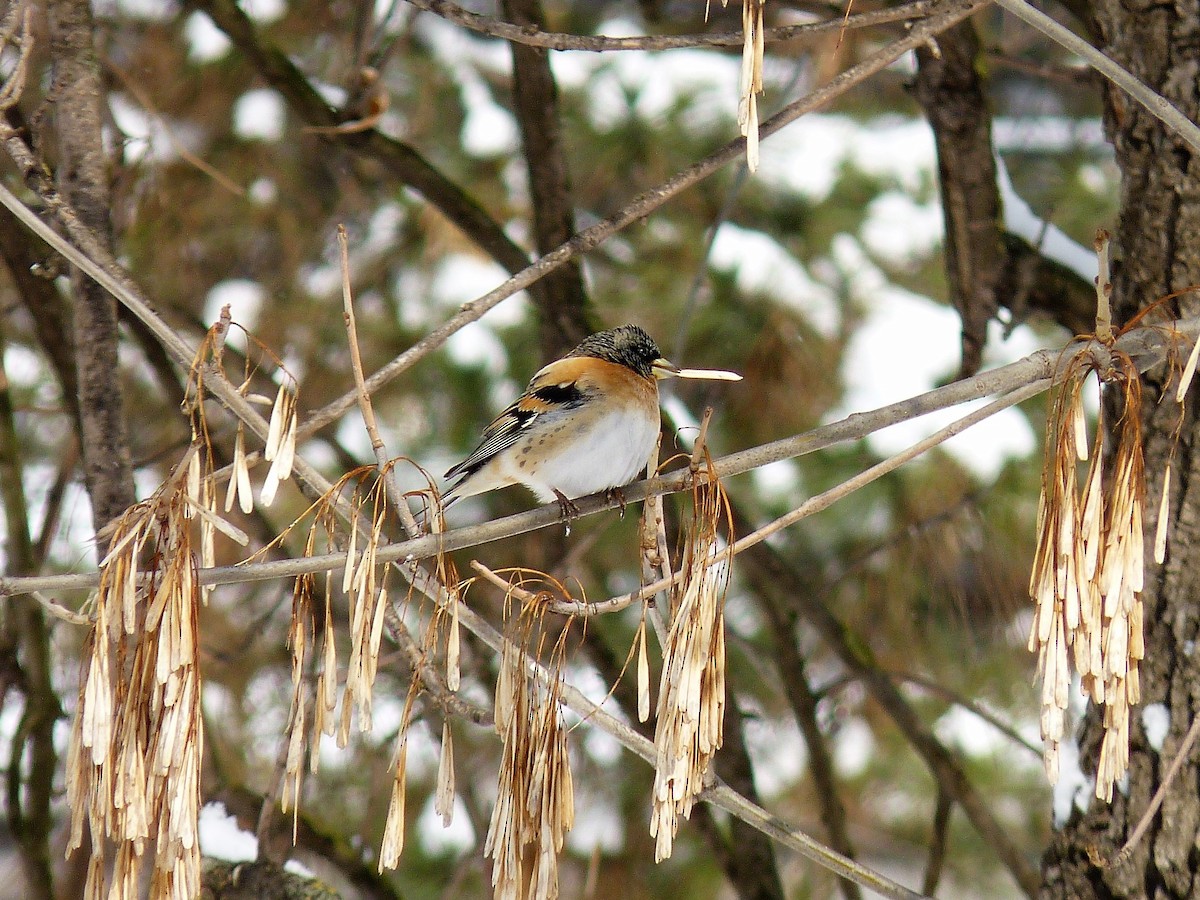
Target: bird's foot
x,y
615,493
567,507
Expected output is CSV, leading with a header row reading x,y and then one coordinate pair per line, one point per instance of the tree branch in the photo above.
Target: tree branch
x,y
533,35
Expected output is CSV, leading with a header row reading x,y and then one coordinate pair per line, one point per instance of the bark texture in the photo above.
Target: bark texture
x,y
560,296
950,90
1156,252
83,181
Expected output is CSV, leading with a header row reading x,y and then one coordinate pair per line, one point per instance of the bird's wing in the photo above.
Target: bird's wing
x,y
554,389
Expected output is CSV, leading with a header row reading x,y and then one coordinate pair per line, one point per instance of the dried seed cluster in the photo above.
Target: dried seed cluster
x,y
535,799
1088,569
750,82
691,696
135,752
364,583
134,760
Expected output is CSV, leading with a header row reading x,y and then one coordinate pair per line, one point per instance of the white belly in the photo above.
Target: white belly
x,y
610,454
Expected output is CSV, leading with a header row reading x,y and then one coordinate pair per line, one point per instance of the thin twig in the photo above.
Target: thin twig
x,y
1156,801
184,153
387,471
14,86
59,611
599,43
450,702
656,554
939,690
937,847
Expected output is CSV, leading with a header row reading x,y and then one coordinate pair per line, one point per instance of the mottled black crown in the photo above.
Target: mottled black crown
x,y
627,345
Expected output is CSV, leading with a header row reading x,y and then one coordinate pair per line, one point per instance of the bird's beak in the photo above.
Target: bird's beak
x,y
665,369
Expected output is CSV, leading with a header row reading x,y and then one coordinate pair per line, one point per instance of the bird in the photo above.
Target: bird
x,y
586,423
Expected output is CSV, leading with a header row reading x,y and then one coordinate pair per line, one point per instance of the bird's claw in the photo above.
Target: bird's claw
x,y
615,493
566,506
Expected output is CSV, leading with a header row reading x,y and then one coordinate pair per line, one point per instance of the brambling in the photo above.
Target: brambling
x,y
586,423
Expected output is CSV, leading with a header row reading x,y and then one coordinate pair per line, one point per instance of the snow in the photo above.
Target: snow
x,y
264,12
244,298
807,157
853,748
206,42
777,479
777,749
263,191
436,838
147,10
1047,134
144,138
1156,720
905,345
489,129
1073,790
1021,220
901,231
597,825
222,838
259,114
763,266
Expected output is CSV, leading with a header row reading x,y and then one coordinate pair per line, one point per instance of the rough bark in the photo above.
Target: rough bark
x,y
83,180
560,296
1155,251
951,92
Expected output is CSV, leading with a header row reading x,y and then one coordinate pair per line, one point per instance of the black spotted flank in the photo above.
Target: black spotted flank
x,y
567,395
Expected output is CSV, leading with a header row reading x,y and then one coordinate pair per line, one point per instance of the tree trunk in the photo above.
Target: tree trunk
x,y
1156,253
83,179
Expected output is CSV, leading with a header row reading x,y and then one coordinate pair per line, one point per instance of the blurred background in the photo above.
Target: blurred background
x,y
820,277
